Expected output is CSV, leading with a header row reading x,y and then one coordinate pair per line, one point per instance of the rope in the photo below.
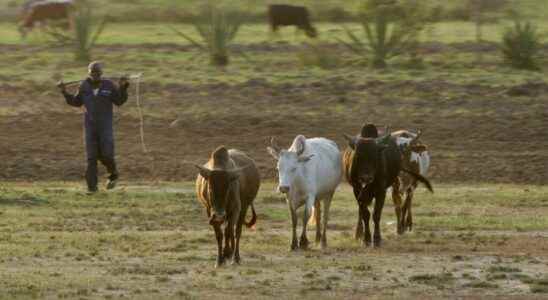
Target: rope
x,y
141,119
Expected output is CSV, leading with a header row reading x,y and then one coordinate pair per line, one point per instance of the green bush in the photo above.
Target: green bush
x,y
217,29
521,45
391,28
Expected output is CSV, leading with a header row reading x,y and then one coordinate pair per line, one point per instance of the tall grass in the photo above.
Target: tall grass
x,y
84,33
217,28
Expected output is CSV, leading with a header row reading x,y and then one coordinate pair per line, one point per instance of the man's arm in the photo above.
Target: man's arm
x,y
119,95
73,100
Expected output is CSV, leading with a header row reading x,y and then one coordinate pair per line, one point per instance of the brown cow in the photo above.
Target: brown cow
x,y
415,157
42,12
284,15
227,185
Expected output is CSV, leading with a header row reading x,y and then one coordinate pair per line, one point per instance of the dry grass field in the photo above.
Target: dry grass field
x,y
483,234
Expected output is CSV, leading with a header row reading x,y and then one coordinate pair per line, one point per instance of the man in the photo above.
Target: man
x,y
97,96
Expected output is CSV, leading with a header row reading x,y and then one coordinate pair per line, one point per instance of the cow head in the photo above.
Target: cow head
x,y
290,163
367,157
219,183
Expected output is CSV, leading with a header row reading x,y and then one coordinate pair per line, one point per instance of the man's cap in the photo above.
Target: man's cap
x,y
95,66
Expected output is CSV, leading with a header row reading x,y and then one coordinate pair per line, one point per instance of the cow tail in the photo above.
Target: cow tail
x,y
421,179
253,220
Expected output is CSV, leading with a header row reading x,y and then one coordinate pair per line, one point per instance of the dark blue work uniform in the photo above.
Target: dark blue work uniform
x,y
98,127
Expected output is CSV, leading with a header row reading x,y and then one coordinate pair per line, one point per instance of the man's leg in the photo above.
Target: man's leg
x,y
92,147
107,158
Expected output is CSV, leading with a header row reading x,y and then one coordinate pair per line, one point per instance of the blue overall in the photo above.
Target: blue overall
x,y
99,133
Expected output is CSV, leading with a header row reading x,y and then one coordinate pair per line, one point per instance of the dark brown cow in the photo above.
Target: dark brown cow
x,y
371,165
415,157
227,185
43,12
286,15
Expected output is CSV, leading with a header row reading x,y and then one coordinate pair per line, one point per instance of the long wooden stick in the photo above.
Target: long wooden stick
x,y
133,76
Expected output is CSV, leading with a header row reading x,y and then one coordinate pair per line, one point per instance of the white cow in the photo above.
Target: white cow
x,y
417,159
309,171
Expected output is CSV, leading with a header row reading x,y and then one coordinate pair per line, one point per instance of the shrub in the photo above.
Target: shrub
x,y
391,28
521,46
217,29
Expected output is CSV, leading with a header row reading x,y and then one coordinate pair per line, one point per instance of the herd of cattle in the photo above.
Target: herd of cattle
x,y
309,173
58,12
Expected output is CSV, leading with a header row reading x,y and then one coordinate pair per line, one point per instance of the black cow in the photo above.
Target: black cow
x,y
371,165
286,15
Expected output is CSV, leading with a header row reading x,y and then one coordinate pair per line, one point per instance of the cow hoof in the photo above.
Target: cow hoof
x,y
294,246
219,263
236,261
377,243
303,244
323,244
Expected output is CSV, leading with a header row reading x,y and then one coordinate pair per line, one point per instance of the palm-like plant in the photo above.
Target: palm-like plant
x,y
391,27
217,29
521,45
85,32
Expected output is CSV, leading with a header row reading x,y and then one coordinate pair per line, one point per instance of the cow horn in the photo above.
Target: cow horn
x,y
348,138
416,138
351,140
274,145
205,172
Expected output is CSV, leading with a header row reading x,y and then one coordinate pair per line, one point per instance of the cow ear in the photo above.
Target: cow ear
x,y
204,172
300,143
273,152
303,159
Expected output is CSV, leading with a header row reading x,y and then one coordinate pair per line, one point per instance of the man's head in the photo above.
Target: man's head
x,y
95,71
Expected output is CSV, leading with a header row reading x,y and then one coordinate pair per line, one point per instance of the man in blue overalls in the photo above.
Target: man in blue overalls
x,y
97,96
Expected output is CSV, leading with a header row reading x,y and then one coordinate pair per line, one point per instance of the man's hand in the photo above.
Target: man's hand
x,y
62,87
123,83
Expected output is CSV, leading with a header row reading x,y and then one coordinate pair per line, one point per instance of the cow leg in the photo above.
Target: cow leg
x,y
359,226
303,243
325,219
293,213
241,220
317,217
365,218
379,204
397,199
219,236
229,241
409,204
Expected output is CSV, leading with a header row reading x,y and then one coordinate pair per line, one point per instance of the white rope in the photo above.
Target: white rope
x,y
141,119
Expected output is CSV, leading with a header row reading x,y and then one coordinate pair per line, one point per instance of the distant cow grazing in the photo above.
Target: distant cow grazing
x,y
286,15
417,159
372,165
42,12
227,185
309,172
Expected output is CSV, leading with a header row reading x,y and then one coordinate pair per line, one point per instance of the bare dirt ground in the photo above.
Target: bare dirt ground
x,y
475,132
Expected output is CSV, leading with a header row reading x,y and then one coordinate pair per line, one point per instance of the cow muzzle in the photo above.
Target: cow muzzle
x,y
217,219
283,189
365,180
